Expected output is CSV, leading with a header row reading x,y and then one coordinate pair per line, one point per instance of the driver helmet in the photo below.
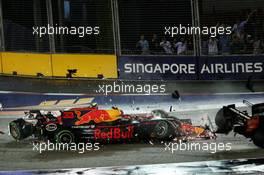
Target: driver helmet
x,y
94,105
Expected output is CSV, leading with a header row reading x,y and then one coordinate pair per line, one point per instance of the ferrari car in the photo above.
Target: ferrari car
x,y
247,123
92,124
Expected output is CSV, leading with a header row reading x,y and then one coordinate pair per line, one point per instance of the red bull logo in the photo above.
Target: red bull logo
x,y
114,133
98,116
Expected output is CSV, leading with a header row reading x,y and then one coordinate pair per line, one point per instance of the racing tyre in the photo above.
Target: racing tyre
x,y
20,130
258,138
221,123
64,136
162,130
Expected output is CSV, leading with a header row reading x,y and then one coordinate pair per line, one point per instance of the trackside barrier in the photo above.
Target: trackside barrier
x,y
191,68
32,64
134,67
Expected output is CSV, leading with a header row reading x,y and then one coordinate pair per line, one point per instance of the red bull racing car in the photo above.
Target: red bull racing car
x,y
91,124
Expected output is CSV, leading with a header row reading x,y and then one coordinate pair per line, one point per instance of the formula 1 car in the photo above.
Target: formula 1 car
x,y
241,122
97,125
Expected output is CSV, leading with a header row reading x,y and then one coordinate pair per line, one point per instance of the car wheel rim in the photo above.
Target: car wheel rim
x,y
14,132
161,129
65,138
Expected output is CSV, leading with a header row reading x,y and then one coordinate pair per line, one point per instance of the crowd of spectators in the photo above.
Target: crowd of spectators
x,y
164,46
247,37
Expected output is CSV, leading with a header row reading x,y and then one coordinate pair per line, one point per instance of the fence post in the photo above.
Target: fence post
x,y
116,28
50,22
2,39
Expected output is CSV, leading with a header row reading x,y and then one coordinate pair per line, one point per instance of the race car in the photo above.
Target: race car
x,y
229,118
91,124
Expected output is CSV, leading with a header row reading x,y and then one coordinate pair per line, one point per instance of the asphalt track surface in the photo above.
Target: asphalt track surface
x,y
74,85
21,156
228,167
